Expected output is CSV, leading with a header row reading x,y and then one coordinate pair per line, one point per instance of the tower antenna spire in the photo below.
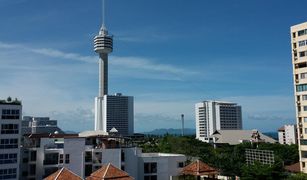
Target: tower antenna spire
x,y
103,15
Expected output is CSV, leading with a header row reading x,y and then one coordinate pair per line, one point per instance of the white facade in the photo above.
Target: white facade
x,y
216,115
10,124
287,134
117,112
83,156
299,61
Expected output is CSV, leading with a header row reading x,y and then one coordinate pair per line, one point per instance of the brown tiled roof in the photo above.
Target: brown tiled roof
x,y
63,174
198,168
109,172
293,167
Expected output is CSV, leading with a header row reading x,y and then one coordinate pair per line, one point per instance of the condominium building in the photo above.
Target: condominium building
x,y
216,115
10,122
299,60
117,113
84,153
287,134
39,125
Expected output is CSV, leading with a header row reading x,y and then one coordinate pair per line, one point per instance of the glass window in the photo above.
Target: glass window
x,y
152,177
301,43
304,97
305,108
150,167
301,87
67,160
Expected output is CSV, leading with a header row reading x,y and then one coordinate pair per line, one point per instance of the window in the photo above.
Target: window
x,y
180,164
302,32
303,75
294,35
10,114
302,43
303,142
303,164
88,169
305,108
305,130
67,159
122,156
33,156
8,173
8,158
150,167
304,154
9,128
304,97
305,119
152,177
303,53
8,143
61,159
301,87
88,156
32,169
51,158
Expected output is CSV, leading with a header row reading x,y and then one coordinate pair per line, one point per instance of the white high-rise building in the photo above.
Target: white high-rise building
x,y
110,111
299,61
10,124
216,115
287,134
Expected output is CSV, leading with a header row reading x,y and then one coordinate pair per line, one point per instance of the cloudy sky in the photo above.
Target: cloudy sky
x,y
169,55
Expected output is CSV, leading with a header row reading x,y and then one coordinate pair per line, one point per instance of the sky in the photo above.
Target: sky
x,y
169,55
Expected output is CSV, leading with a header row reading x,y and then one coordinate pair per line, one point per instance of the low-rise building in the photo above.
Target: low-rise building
x,y
234,137
84,153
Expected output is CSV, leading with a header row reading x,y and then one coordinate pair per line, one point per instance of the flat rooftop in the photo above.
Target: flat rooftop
x,y
160,155
10,101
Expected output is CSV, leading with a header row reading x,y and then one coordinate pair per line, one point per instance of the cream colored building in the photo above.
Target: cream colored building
x,y
299,60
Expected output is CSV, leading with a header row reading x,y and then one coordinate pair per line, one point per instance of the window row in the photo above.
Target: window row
x,y
8,158
8,143
302,32
302,43
8,173
301,87
10,114
303,53
9,129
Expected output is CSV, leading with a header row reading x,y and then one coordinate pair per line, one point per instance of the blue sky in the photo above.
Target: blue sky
x,y
169,55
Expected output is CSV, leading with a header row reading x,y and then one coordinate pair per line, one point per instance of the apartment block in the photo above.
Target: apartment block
x,y
299,61
10,124
216,115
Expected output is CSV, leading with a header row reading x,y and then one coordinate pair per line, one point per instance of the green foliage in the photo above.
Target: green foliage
x,y
299,176
230,160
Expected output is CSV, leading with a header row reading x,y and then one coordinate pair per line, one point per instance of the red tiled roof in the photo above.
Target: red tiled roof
x,y
198,168
293,167
109,172
63,174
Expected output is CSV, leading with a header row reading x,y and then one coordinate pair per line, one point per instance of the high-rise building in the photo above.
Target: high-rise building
x,y
10,123
299,61
216,115
110,111
118,114
287,134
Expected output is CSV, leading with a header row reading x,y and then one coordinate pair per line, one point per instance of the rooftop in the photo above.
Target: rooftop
x,y
10,101
160,155
109,172
63,174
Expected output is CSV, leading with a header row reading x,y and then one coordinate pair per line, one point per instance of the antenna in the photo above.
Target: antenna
x,y
103,15
182,125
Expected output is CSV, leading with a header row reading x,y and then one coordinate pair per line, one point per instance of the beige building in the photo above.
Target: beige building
x,y
299,60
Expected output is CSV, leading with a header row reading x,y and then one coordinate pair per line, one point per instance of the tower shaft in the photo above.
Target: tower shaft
x,y
103,74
